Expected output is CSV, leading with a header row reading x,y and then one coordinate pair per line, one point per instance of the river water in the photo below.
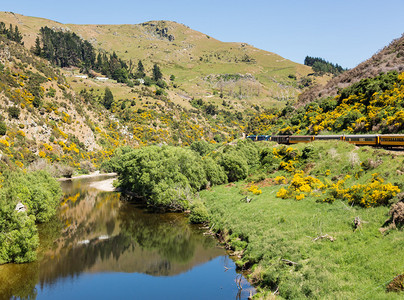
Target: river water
x,y
100,247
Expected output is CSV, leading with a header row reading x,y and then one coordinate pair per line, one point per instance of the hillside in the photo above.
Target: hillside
x,y
390,58
197,61
42,117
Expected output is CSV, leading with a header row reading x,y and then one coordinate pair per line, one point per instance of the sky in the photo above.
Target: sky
x,y
345,32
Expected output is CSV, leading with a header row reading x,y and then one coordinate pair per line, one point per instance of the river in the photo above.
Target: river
x,y
101,247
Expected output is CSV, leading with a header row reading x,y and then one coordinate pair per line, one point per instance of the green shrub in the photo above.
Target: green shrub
x,y
199,213
14,112
3,128
165,176
235,167
40,194
201,147
215,173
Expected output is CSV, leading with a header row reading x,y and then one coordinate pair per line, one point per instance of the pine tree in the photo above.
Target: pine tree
x,y
157,73
108,98
17,37
37,48
140,70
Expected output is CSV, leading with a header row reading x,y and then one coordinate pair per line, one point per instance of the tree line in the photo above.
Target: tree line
x,y
12,33
322,66
65,49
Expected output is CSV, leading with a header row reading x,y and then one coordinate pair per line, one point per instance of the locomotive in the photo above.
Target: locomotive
x,y
380,140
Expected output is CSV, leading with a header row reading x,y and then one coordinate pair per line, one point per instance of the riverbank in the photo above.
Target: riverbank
x,y
104,185
92,175
305,248
319,233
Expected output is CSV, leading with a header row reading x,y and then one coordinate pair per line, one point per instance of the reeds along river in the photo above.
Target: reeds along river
x,y
102,247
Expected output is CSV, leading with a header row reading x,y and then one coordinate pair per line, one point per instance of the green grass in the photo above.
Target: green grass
x,y
357,265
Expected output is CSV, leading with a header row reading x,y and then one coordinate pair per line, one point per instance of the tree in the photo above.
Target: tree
x,y
140,70
108,98
37,48
157,73
17,37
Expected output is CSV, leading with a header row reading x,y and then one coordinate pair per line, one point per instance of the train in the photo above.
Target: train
x,y
376,140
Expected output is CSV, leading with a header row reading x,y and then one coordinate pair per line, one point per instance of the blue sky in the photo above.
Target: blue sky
x,y
341,31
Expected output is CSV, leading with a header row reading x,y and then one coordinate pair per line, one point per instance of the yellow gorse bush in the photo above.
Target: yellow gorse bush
x,y
299,186
255,190
374,193
280,180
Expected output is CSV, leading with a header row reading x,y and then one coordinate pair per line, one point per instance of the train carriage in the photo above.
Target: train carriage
x,y
259,137
364,139
392,140
280,139
294,139
327,137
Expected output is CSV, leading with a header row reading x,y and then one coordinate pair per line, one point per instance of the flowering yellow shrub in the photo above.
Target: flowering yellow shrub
x,y
374,193
255,190
280,180
20,164
283,193
48,147
299,186
5,143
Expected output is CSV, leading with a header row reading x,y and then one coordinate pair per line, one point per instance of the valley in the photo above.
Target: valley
x,y
167,110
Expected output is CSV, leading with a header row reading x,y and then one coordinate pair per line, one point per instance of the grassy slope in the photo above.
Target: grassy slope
x,y
181,57
358,264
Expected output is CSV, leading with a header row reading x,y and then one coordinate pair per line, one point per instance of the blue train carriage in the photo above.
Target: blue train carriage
x,y
391,140
328,137
364,139
280,139
294,139
259,137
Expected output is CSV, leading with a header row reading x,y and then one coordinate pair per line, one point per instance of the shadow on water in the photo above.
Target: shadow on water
x,y
98,233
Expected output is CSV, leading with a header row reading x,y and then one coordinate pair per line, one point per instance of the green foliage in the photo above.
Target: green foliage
x,y
372,105
161,83
11,33
51,93
116,162
14,112
165,176
108,98
199,213
235,166
37,190
369,86
157,73
215,173
322,66
201,147
65,49
40,194
140,70
3,128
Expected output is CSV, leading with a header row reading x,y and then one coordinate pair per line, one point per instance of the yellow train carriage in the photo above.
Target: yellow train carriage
x,y
365,139
294,139
328,137
392,140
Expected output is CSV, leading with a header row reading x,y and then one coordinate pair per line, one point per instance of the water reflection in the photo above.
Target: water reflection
x,y
96,232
